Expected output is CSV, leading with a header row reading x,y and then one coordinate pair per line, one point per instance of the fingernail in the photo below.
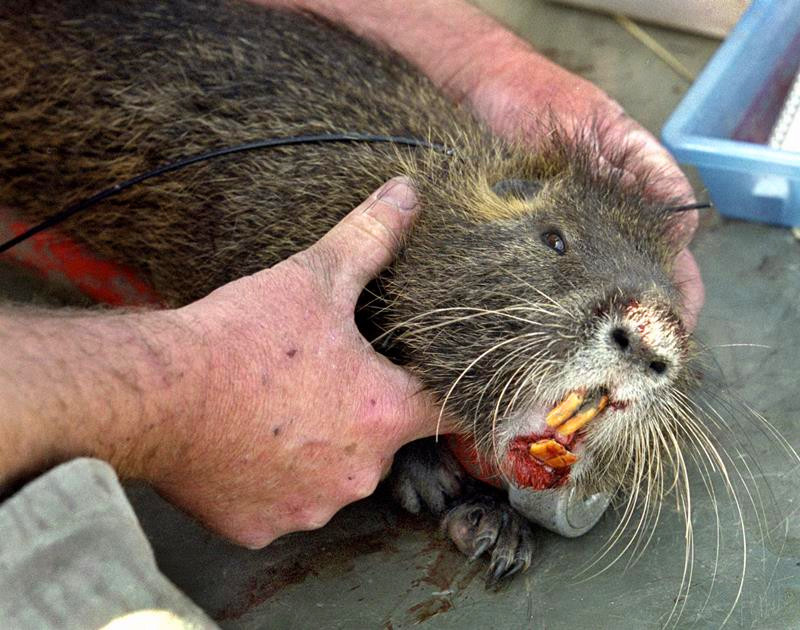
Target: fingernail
x,y
398,192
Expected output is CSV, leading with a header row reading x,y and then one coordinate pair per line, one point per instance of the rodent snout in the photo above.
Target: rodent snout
x,y
647,334
630,344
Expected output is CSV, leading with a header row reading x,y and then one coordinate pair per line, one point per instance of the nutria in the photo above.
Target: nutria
x,y
531,279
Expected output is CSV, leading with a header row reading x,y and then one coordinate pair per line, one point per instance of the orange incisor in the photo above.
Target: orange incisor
x,y
570,415
575,411
550,452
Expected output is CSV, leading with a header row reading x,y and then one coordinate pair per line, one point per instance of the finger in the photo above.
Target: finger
x,y
410,411
686,276
368,238
667,182
682,231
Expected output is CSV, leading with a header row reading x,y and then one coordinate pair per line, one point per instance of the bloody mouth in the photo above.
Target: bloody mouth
x,y
545,460
528,472
541,460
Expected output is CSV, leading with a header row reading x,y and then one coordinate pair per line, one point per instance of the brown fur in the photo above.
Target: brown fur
x,y
97,92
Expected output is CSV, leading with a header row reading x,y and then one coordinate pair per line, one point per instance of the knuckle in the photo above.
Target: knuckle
x,y
372,245
377,228
364,484
320,517
386,468
257,540
315,267
309,517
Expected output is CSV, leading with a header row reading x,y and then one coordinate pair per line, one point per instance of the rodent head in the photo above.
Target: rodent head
x,y
549,278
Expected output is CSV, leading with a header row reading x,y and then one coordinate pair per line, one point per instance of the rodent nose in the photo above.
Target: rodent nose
x,y
620,337
629,343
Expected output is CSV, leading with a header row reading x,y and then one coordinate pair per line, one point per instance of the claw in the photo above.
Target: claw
x,y
482,547
518,565
496,573
502,533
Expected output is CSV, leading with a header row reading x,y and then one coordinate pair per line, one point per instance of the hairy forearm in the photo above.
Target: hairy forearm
x,y
96,384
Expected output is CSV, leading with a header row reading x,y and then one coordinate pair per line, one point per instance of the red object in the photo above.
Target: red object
x,y
465,452
525,471
529,473
58,258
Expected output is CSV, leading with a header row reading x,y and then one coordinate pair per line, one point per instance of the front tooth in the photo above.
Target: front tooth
x,y
562,461
546,449
579,420
565,409
551,453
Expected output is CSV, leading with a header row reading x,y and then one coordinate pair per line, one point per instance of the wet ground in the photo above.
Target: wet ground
x,y
376,567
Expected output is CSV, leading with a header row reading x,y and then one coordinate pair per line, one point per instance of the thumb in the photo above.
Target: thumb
x,y
686,275
410,410
367,239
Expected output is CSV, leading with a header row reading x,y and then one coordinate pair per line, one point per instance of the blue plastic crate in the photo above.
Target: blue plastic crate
x,y
723,123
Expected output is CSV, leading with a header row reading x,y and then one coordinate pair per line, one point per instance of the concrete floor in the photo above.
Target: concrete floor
x,y
376,567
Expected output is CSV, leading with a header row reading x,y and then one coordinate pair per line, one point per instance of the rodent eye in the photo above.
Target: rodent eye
x,y
555,241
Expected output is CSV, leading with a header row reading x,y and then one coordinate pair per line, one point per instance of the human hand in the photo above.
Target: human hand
x,y
302,416
515,90
259,409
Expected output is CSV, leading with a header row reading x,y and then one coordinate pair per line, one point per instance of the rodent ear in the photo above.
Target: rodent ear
x,y
520,188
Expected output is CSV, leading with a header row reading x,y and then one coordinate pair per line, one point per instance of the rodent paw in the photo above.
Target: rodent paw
x,y
425,475
484,524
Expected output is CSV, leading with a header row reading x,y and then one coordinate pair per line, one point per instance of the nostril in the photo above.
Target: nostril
x,y
659,367
620,338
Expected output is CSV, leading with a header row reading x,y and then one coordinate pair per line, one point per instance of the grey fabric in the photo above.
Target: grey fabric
x,y
72,555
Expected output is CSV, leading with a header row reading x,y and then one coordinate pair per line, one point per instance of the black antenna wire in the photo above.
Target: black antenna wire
x,y
686,208
202,157
83,204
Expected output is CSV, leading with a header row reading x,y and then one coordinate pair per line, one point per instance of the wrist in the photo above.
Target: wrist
x,y
169,362
226,363
99,385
